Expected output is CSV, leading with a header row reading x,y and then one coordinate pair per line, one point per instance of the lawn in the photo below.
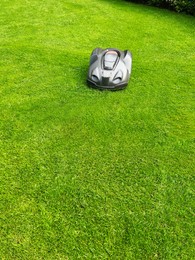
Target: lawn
x,y
89,174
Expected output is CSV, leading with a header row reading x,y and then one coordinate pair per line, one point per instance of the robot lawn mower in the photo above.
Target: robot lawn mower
x,y
109,68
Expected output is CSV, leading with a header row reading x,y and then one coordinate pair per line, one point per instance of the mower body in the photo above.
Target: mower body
x,y
109,68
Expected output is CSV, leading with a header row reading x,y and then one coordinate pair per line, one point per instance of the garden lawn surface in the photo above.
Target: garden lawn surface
x,y
89,174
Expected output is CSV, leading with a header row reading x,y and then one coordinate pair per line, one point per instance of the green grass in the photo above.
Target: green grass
x,y
88,174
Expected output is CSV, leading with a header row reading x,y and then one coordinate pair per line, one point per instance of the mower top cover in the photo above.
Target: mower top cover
x,y
109,68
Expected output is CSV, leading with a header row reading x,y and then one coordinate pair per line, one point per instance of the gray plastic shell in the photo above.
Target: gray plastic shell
x,y
109,68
